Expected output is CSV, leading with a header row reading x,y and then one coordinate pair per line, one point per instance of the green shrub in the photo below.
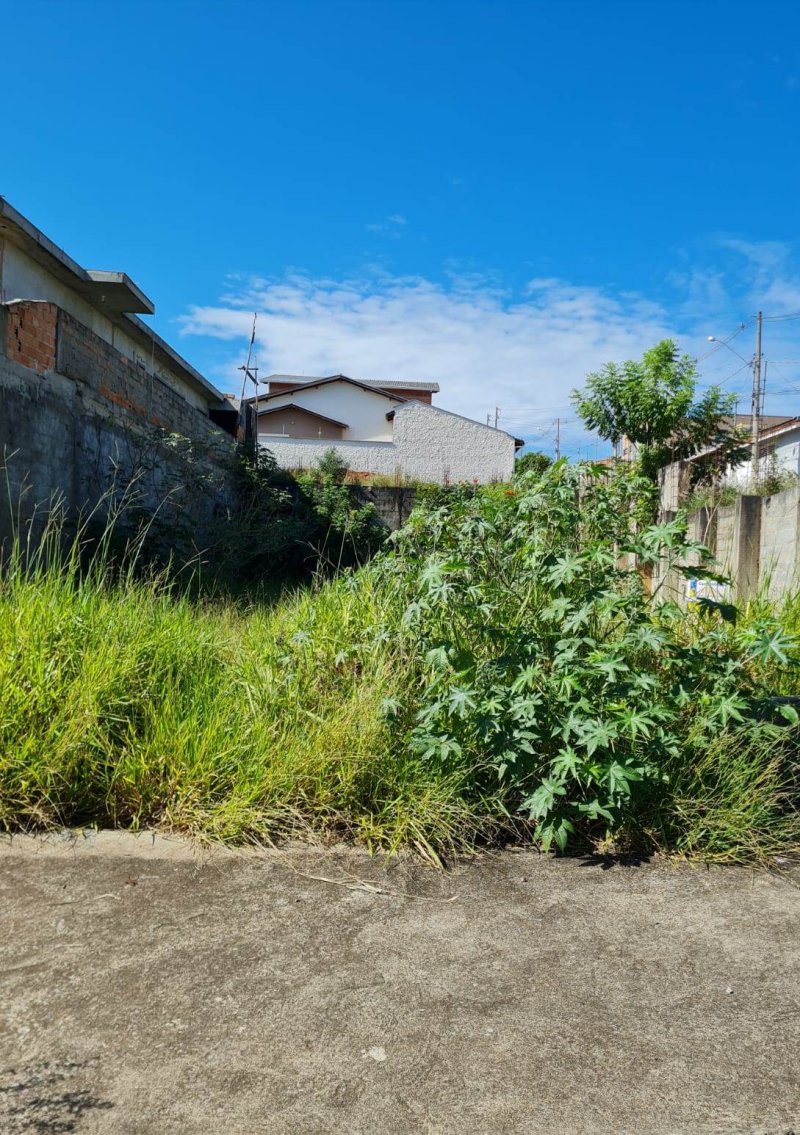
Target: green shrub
x,y
285,526
532,463
431,497
710,497
545,667
343,531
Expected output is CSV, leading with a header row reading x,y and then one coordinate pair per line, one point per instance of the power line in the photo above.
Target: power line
x,y
537,409
724,381
720,343
525,417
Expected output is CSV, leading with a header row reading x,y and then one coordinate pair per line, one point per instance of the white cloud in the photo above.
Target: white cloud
x,y
523,352
392,226
765,272
485,347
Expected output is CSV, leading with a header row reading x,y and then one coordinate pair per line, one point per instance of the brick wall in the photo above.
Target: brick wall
x,y
136,391
31,334
413,395
80,421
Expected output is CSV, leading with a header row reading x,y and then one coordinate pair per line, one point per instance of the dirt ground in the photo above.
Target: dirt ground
x,y
144,989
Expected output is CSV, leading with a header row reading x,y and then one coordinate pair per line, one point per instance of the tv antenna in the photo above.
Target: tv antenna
x,y
250,372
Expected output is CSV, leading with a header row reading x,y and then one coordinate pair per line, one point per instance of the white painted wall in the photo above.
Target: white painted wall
x,y
785,459
24,279
429,444
439,446
361,456
364,411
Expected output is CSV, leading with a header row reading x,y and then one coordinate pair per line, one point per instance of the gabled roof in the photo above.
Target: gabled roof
x,y
305,410
518,441
403,384
314,382
781,425
380,384
786,425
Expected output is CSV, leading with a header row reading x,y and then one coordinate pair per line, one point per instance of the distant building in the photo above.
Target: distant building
x,y
778,454
387,428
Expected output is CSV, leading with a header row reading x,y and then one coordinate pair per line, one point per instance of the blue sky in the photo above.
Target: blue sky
x,y
500,196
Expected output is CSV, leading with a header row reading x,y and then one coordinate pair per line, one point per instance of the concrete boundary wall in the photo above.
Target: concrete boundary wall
x,y
393,504
756,541
79,420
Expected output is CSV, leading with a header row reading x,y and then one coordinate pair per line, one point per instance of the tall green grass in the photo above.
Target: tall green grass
x,y
734,801
738,799
129,701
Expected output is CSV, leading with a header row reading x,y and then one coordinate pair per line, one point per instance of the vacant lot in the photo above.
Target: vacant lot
x,y
146,990
498,668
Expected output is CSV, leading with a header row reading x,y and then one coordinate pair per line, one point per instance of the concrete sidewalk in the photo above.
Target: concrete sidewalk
x,y
147,991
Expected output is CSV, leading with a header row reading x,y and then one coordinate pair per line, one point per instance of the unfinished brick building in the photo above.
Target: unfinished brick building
x,y
89,393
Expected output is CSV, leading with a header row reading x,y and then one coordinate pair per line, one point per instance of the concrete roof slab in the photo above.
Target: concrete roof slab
x,y
117,290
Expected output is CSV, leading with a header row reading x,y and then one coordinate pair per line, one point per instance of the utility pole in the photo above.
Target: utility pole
x,y
496,415
756,406
252,374
488,419
558,438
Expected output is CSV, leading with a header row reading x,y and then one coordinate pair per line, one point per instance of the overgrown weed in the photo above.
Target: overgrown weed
x,y
501,673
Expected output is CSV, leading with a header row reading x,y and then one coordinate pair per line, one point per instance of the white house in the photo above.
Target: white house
x,y
778,454
388,428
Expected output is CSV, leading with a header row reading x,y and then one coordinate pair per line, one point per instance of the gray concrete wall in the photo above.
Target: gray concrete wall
x,y
96,421
756,541
393,505
723,544
778,551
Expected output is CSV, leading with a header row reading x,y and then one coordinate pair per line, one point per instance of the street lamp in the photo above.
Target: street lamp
x,y
722,343
755,363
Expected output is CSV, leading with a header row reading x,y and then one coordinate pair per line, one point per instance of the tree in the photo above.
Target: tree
x,y
653,403
532,463
346,532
